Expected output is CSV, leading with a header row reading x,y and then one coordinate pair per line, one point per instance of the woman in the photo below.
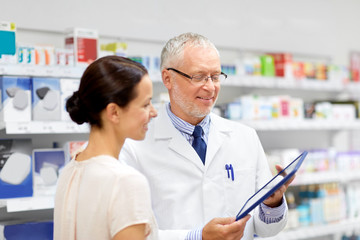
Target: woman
x,y
97,196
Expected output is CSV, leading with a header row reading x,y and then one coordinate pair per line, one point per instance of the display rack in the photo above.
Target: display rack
x,y
326,177
45,127
284,83
235,83
306,124
41,71
345,226
289,129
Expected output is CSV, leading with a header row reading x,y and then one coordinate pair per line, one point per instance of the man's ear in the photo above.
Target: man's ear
x,y
113,112
166,78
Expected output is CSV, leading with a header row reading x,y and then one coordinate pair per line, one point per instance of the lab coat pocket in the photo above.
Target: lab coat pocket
x,y
239,186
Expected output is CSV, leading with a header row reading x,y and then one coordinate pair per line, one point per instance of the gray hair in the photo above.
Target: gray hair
x,y
174,48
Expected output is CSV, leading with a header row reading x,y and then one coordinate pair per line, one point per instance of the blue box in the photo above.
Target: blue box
x,y
15,99
16,168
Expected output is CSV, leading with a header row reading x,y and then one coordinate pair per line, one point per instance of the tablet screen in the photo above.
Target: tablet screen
x,y
269,188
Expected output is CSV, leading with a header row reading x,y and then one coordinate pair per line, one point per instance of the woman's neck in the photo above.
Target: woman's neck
x,y
102,142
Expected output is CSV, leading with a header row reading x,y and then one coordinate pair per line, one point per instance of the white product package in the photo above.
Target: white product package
x,y
16,169
47,165
68,86
45,99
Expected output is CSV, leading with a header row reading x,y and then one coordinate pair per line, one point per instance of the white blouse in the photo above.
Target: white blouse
x,y
98,197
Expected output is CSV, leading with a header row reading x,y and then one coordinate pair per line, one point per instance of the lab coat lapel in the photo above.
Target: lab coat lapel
x,y
217,135
165,130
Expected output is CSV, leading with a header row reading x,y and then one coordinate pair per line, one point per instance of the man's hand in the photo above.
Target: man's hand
x,y
275,199
225,229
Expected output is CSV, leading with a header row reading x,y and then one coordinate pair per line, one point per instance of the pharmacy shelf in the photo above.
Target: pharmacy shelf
x,y
239,81
289,83
325,177
45,127
306,124
341,227
41,71
53,71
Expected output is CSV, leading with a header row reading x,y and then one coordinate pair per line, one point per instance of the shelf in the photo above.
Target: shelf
x,y
41,71
240,81
35,127
325,177
306,124
288,83
344,226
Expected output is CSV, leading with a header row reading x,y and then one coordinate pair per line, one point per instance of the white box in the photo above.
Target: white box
x,y
46,103
84,43
47,165
67,87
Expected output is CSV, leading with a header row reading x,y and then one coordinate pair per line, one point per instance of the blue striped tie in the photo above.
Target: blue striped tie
x,y
199,144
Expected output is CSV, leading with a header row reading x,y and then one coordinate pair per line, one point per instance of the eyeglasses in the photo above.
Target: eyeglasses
x,y
201,79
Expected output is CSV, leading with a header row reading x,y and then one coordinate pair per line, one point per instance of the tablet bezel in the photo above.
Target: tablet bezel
x,y
242,213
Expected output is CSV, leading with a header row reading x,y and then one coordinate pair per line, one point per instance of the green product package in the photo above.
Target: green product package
x,y
267,65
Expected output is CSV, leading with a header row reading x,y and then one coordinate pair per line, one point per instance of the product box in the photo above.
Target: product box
x,y
72,148
355,66
234,111
309,70
321,71
283,64
298,70
26,54
250,105
29,231
117,48
297,108
64,57
15,99
47,165
267,65
285,109
46,99
67,87
16,177
84,43
265,108
7,42
45,55
343,112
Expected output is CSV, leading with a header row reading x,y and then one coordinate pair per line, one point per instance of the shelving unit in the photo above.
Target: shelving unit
x,y
232,88
37,127
43,135
284,83
326,177
307,124
305,134
41,71
345,226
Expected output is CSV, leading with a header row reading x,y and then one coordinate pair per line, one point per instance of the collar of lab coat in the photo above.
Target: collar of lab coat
x,y
165,130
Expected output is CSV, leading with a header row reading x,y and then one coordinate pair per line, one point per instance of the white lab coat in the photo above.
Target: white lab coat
x,y
185,193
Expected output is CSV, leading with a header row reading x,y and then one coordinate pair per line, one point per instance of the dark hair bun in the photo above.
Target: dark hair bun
x,y
76,109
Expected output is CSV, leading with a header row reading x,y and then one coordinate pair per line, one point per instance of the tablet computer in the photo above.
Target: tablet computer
x,y
270,187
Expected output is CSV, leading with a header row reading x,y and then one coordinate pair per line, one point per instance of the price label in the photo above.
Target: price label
x,y
30,71
49,71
